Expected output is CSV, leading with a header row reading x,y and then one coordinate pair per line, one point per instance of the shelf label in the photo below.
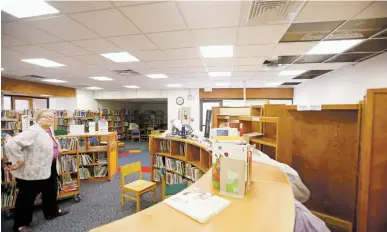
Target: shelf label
x,y
309,108
255,119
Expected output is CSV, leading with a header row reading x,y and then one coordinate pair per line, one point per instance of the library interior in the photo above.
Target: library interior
x,y
202,116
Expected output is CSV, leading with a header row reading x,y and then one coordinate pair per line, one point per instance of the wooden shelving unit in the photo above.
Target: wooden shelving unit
x,y
193,154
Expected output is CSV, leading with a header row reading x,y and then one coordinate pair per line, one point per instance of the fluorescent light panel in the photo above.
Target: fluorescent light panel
x,y
101,78
131,86
54,81
27,8
120,57
174,85
333,46
219,74
93,88
291,72
217,51
157,76
43,62
222,84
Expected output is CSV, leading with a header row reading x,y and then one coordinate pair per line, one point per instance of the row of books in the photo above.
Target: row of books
x,y
9,114
102,158
96,171
84,173
192,172
67,163
61,127
83,113
183,149
110,112
63,122
159,163
174,178
61,113
113,118
68,143
31,113
6,176
85,159
174,165
100,171
165,145
9,125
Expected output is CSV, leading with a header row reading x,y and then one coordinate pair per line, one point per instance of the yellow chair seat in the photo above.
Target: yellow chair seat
x,y
139,185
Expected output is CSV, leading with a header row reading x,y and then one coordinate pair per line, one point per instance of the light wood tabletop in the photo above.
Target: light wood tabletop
x,y
267,207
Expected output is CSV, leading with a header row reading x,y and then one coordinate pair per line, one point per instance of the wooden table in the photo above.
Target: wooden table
x,y
267,207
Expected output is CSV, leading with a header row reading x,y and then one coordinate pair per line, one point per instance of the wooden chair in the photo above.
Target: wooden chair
x,y
171,189
121,144
136,135
335,222
138,187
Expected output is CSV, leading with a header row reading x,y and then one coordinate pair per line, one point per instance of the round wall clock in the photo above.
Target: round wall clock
x,y
179,101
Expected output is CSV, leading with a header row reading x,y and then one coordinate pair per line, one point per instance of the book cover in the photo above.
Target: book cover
x,y
232,177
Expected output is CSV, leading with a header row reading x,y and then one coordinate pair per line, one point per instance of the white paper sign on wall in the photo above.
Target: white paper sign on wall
x,y
91,127
25,122
103,126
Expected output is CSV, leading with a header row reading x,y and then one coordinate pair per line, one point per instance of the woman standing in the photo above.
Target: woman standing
x,y
33,155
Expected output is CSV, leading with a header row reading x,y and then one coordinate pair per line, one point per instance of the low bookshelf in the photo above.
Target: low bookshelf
x,y
184,161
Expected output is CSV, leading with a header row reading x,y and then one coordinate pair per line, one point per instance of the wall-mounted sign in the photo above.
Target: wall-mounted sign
x,y
25,122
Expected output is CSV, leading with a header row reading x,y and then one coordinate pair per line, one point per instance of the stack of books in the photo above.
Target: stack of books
x,y
165,145
84,173
156,175
170,164
173,178
82,113
61,113
192,172
68,184
9,114
159,162
102,158
10,125
100,171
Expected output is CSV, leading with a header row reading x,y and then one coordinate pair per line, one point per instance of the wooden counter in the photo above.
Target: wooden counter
x,y
268,207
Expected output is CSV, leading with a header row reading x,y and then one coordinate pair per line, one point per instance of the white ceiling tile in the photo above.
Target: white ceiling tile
x,y
21,29
378,9
63,27
69,61
163,16
174,39
158,64
253,50
219,68
97,46
209,14
201,69
302,66
249,61
106,22
188,75
151,55
133,42
261,34
9,41
331,66
215,36
66,49
66,7
242,74
35,51
183,53
293,48
320,11
94,59
247,68
127,3
185,63
218,61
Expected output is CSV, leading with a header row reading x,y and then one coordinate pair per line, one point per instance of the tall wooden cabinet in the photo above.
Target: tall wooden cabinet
x,y
372,188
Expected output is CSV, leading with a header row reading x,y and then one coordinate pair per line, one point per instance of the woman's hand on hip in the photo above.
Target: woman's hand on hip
x,y
15,166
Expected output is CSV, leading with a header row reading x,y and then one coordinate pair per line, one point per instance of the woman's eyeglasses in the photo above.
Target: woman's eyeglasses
x,y
48,117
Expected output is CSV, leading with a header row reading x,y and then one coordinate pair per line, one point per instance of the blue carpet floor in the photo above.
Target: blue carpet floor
x,y
100,204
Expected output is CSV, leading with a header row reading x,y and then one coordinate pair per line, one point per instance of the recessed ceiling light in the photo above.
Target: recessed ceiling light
x,y
45,95
43,62
120,57
101,78
93,88
27,8
222,84
156,76
219,74
2,69
217,51
333,46
291,72
174,85
54,80
274,84
131,86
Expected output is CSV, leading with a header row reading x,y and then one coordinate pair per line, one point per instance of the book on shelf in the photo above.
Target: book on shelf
x,y
85,159
82,113
159,161
182,149
156,175
67,163
68,184
165,145
84,173
100,171
197,204
61,113
9,114
173,178
9,125
192,172
102,158
68,143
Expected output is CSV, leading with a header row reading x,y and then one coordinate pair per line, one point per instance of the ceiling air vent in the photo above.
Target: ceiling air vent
x,y
33,77
127,73
263,12
273,64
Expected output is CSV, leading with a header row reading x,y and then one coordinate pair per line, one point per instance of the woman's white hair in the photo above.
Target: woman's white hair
x,y
40,113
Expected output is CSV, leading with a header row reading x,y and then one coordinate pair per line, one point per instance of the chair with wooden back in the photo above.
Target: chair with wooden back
x,y
170,189
137,187
136,134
